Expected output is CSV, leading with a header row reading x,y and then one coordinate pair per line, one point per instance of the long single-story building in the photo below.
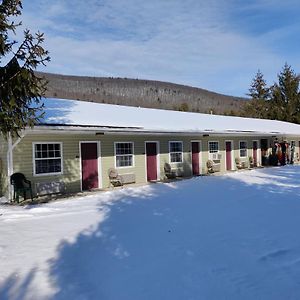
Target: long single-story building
x,y
77,143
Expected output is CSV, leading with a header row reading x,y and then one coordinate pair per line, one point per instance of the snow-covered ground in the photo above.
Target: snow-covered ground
x,y
219,237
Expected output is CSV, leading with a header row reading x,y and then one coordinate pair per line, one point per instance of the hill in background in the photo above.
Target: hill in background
x,y
143,93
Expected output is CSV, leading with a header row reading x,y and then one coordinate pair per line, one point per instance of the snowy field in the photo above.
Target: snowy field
x,y
219,237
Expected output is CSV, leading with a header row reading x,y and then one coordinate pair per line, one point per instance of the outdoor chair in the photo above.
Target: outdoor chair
x,y
114,178
210,166
21,186
170,174
213,167
252,163
238,163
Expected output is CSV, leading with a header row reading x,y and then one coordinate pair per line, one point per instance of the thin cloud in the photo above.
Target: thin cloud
x,y
191,42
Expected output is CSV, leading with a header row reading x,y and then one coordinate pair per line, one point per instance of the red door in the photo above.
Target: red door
x,y
255,153
89,165
195,158
151,153
228,156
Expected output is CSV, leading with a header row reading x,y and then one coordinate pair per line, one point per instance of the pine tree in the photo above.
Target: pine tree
x,y
21,90
259,89
258,106
285,98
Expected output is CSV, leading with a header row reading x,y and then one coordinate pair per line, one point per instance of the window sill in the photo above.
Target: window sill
x,y
47,174
127,167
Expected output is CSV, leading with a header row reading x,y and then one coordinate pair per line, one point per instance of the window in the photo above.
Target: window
x,y
213,147
47,158
243,149
124,154
175,149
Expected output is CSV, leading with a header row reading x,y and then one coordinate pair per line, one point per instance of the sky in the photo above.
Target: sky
x,y
216,45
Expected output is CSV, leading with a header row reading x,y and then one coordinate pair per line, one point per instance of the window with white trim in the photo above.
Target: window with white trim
x,y
213,147
47,158
175,150
124,154
243,149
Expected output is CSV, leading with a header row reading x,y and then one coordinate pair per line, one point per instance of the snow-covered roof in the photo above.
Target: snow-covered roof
x,y
115,117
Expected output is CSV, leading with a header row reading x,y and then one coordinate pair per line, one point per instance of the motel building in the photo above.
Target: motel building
x,y
78,144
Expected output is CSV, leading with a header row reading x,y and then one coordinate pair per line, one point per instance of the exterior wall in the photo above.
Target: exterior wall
x,y
23,155
3,166
235,148
23,159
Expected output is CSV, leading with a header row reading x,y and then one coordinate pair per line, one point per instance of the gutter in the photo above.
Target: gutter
x,y
106,130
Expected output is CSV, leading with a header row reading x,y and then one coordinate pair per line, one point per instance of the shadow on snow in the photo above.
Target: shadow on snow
x,y
204,238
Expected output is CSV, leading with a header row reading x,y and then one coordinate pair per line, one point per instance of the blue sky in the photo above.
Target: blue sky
x,y
217,45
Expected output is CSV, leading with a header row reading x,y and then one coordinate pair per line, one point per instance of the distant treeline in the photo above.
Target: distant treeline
x,y
137,92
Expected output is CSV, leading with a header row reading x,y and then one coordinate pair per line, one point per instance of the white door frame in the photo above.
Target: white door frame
x,y
200,156
157,159
98,161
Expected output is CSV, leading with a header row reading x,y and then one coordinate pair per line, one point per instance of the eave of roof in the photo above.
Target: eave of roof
x,y
102,130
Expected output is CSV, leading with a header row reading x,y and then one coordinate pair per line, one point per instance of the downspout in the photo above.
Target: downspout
x,y
10,162
9,165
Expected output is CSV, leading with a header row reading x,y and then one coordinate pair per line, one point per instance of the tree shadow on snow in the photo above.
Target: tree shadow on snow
x,y
203,238
16,288
190,241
